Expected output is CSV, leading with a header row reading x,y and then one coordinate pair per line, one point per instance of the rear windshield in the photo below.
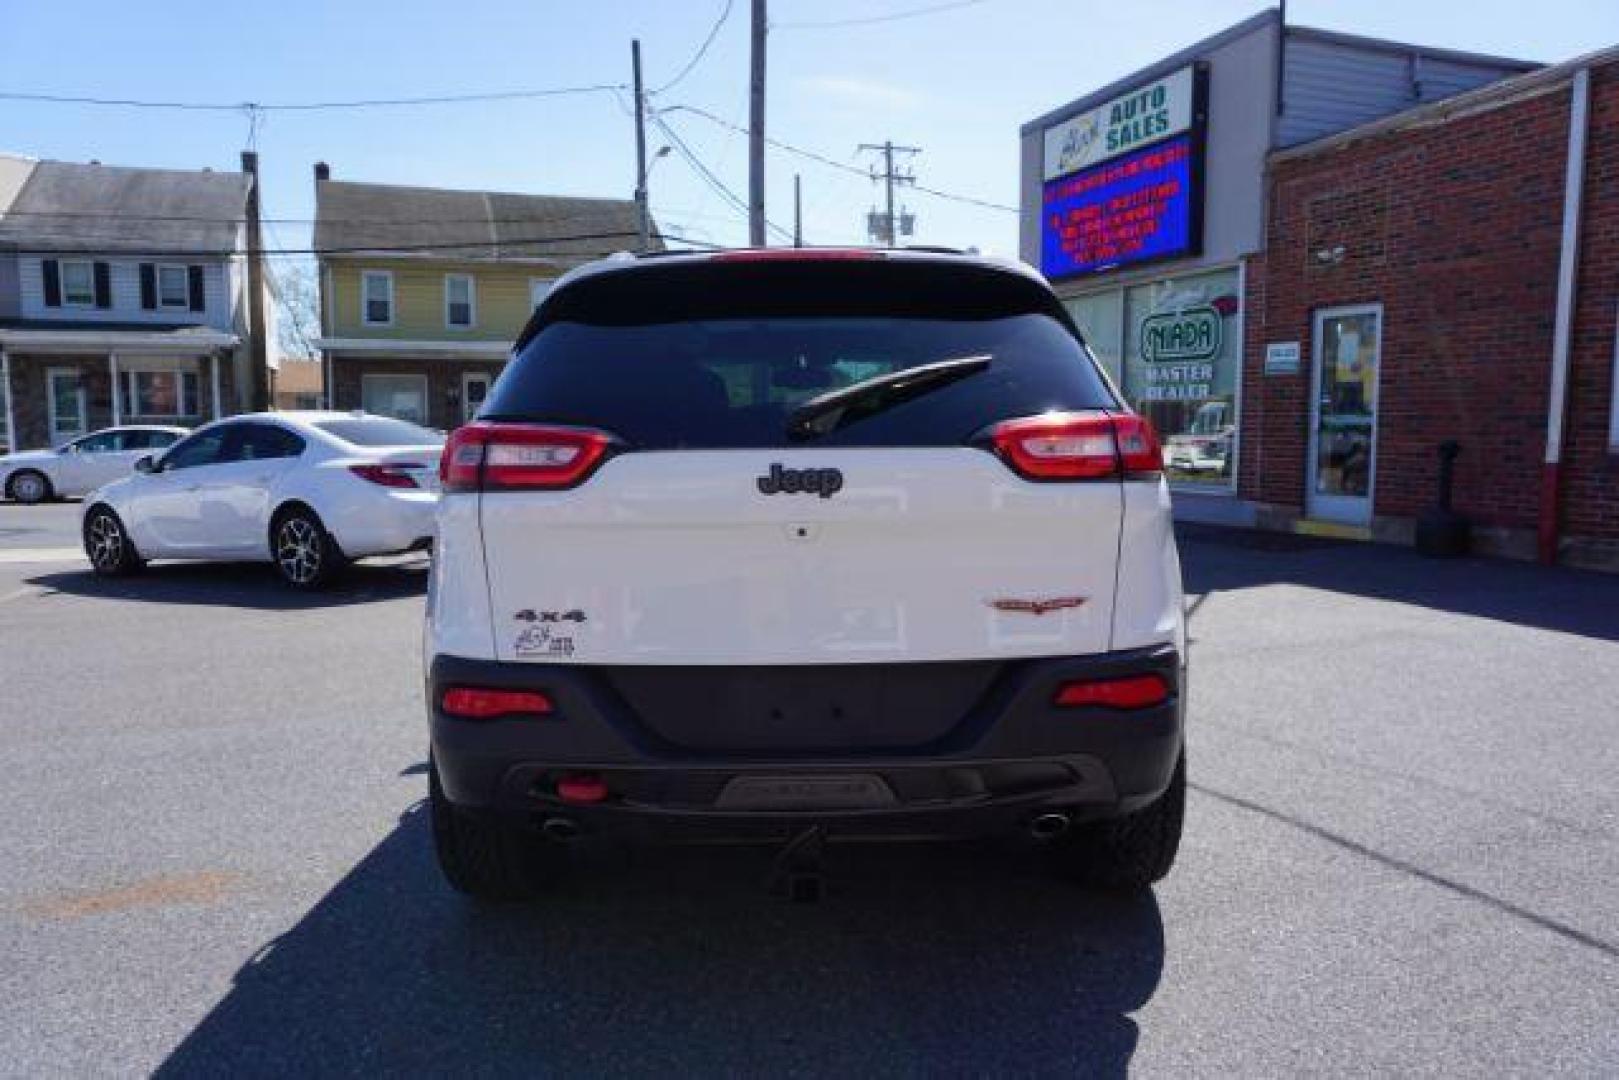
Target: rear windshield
x,y
380,431
728,367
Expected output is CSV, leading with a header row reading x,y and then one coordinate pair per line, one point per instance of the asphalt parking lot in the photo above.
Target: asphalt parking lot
x,y
1401,856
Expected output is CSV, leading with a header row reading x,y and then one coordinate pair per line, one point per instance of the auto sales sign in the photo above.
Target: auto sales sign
x,y
1122,181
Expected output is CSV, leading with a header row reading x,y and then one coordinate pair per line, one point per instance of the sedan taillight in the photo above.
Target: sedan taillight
x,y
394,476
490,456
1078,446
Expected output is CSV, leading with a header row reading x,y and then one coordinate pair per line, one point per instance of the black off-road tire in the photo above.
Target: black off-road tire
x,y
108,546
488,859
1129,853
29,486
304,553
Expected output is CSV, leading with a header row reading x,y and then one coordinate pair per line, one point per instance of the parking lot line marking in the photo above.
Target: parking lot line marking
x,y
31,555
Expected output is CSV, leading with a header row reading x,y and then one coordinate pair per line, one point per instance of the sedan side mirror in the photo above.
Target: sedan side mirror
x,y
146,464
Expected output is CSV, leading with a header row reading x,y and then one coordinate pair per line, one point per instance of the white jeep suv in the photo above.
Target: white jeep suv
x,y
804,543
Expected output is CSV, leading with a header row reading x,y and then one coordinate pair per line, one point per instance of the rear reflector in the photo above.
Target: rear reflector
x,y
394,476
1078,446
488,456
1129,692
475,703
582,788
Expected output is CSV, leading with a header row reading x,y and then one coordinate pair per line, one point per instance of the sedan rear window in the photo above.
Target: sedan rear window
x,y
379,431
733,364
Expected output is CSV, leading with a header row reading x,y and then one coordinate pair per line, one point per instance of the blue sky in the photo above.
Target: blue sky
x,y
957,83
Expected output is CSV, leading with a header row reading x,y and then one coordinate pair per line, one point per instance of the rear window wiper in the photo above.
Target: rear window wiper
x,y
839,408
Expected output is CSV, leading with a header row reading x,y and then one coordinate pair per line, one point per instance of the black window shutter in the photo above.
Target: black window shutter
x,y
103,285
53,282
148,286
194,279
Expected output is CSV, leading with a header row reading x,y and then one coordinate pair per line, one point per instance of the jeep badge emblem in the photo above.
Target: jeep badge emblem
x,y
822,482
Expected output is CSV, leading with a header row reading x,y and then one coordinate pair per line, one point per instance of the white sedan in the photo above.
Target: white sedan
x,y
306,491
81,466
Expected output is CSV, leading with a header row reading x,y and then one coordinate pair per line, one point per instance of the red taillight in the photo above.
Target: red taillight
x,y
1129,692
1078,445
475,703
517,457
394,476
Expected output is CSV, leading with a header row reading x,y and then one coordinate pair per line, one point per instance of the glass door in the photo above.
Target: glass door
x,y
1343,415
474,388
67,405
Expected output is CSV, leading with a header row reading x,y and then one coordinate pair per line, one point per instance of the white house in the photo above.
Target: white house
x,y
123,298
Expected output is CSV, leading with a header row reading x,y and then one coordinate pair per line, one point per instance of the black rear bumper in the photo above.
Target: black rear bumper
x,y
1008,754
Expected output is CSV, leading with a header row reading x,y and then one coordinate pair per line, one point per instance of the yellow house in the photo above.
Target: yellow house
x,y
423,290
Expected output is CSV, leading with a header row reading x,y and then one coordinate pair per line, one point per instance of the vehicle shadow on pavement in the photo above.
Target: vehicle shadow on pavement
x,y
960,959
242,585
1583,602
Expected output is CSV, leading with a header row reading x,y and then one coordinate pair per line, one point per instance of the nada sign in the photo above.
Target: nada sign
x,y
1128,122
1137,207
1191,334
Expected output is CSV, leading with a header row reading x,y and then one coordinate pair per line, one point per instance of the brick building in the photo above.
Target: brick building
x,y
1434,276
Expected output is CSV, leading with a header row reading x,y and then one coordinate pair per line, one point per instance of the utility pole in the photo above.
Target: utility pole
x,y
798,211
883,227
756,130
258,342
643,228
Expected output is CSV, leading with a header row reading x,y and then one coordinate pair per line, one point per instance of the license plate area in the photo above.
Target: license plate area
x,y
853,791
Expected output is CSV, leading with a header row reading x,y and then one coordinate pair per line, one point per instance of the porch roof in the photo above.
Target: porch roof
x,y
47,335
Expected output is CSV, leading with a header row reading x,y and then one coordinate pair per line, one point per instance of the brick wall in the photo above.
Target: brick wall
x,y
443,378
1454,228
31,405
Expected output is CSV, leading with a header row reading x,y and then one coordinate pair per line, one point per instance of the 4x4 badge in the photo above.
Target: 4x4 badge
x,y
823,482
1040,606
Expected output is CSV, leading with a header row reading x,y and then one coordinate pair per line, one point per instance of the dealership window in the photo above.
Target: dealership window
x,y
162,394
377,293
78,283
1100,317
458,301
403,397
1174,348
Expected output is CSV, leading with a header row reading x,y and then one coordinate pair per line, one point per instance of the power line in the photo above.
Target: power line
x,y
715,182
309,106
702,50
864,20
811,155
383,251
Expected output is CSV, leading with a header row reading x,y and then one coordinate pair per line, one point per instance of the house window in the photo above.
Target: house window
x,y
78,283
377,288
173,287
403,397
458,300
171,394
537,290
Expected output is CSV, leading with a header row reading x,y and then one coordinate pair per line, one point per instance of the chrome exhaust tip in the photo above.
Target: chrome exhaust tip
x,y
1048,826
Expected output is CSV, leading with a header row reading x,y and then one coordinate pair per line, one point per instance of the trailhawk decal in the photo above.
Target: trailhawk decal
x,y
544,634
1038,607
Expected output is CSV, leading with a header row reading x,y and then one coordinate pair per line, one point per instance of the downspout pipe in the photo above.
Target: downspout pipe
x,y
1563,328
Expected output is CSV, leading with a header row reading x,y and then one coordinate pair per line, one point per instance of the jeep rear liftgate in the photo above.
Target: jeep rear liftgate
x,y
919,554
